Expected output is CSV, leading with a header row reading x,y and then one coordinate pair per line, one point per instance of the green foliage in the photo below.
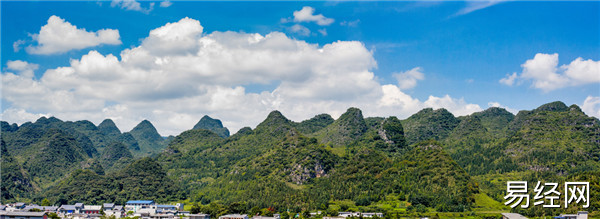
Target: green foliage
x,y
45,202
429,124
394,133
109,129
213,125
143,179
431,162
15,184
116,155
314,124
53,215
148,139
349,127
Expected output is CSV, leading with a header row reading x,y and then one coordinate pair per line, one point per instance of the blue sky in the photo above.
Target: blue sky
x,y
458,53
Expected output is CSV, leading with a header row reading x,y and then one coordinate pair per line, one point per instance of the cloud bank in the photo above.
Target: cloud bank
x,y
544,73
179,73
60,36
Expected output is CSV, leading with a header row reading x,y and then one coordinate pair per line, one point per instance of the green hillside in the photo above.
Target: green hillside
x,y
213,125
429,162
147,138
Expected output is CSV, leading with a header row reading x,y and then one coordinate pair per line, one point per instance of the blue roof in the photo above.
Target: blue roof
x,y
166,206
140,202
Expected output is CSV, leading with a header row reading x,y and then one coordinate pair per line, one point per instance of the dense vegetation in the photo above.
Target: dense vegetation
x,y
432,161
213,125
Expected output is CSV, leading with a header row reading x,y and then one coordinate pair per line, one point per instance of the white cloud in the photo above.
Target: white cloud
x,y
476,5
20,116
300,30
496,104
179,73
132,5
166,4
408,79
59,36
306,14
458,107
591,106
509,79
24,68
17,45
545,74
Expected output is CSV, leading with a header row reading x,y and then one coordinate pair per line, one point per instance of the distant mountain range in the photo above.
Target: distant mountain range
x,y
431,159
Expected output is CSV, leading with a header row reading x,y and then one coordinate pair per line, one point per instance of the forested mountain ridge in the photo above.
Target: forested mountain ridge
x,y
214,125
431,159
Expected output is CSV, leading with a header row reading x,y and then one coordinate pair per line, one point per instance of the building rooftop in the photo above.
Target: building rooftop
x,y
166,206
513,216
140,202
23,214
92,207
68,207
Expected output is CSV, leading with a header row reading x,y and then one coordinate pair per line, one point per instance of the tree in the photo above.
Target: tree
x,y
45,202
53,215
255,211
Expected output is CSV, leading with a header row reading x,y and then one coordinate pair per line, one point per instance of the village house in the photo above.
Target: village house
x,y
512,216
135,205
579,215
91,209
67,209
110,209
41,208
234,216
23,215
199,216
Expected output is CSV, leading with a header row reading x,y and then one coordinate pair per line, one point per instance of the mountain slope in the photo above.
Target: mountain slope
x,y
214,125
429,124
148,139
346,129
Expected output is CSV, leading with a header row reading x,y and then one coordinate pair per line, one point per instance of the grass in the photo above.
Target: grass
x,y
483,203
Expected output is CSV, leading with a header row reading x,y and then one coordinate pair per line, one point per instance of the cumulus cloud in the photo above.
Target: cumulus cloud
x,y
132,5
178,73
408,79
165,4
306,14
591,106
545,74
24,68
59,36
20,116
509,79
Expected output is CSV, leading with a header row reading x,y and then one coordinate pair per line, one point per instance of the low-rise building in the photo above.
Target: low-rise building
x,y
67,209
512,216
23,215
579,215
263,217
234,216
91,209
199,216
135,205
108,206
377,214
41,208
116,210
